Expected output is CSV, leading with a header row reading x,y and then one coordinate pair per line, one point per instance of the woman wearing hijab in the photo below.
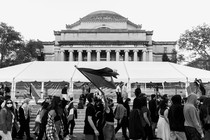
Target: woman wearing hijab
x,y
7,118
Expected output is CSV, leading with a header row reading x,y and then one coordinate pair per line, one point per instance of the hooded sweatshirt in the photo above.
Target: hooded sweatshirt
x,y
175,114
191,113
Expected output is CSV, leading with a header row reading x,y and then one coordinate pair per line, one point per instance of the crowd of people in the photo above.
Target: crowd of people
x,y
154,117
53,120
147,118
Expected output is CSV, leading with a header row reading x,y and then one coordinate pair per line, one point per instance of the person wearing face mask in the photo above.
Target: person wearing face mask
x,y
192,123
6,119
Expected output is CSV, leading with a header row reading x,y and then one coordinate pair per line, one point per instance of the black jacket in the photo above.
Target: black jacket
x,y
176,118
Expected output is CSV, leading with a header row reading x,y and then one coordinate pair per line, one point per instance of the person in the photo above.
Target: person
x,y
124,91
99,107
121,116
126,104
85,92
108,129
71,123
64,91
43,118
52,129
81,104
90,131
7,117
24,119
153,113
37,121
176,119
163,129
146,120
118,91
204,112
135,118
192,121
15,127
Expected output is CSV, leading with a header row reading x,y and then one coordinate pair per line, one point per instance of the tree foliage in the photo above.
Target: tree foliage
x,y
10,41
165,58
174,56
13,50
197,41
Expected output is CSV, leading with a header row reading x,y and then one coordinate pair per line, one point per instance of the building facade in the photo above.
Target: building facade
x,y
105,36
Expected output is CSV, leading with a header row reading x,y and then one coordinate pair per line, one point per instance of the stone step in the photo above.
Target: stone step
x,y
79,122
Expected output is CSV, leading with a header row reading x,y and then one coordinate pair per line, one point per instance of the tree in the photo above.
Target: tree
x,y
13,50
165,58
10,41
174,56
196,41
35,50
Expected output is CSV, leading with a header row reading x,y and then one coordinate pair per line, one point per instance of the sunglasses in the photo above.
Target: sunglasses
x,y
9,103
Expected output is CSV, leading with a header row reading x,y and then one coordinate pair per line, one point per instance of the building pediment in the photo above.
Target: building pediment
x,y
102,17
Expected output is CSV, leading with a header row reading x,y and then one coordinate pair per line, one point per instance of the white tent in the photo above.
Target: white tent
x,y
142,72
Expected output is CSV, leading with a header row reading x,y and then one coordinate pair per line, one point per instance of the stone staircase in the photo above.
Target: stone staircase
x,y
79,122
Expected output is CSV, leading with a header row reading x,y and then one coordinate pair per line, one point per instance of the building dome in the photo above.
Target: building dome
x,y
102,16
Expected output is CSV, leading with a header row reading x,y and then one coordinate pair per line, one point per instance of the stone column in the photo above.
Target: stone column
x,y
150,55
135,55
117,55
56,56
126,55
88,55
70,55
98,54
62,55
144,55
80,55
108,55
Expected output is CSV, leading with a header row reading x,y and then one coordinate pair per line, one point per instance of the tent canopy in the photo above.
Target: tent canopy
x,y
142,72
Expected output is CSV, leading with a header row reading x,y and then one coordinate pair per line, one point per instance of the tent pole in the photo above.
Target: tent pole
x,y
163,87
186,86
129,88
145,87
71,89
42,90
13,89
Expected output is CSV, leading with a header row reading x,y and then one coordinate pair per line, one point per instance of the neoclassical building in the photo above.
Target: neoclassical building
x,y
105,36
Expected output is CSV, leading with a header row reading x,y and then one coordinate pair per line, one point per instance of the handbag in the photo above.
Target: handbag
x,y
71,114
38,119
207,119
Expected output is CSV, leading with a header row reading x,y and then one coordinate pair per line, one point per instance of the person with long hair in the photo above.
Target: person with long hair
x,y
176,119
7,117
204,112
146,120
51,131
42,128
163,130
108,129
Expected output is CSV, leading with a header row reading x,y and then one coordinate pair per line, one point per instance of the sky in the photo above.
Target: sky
x,y
168,19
